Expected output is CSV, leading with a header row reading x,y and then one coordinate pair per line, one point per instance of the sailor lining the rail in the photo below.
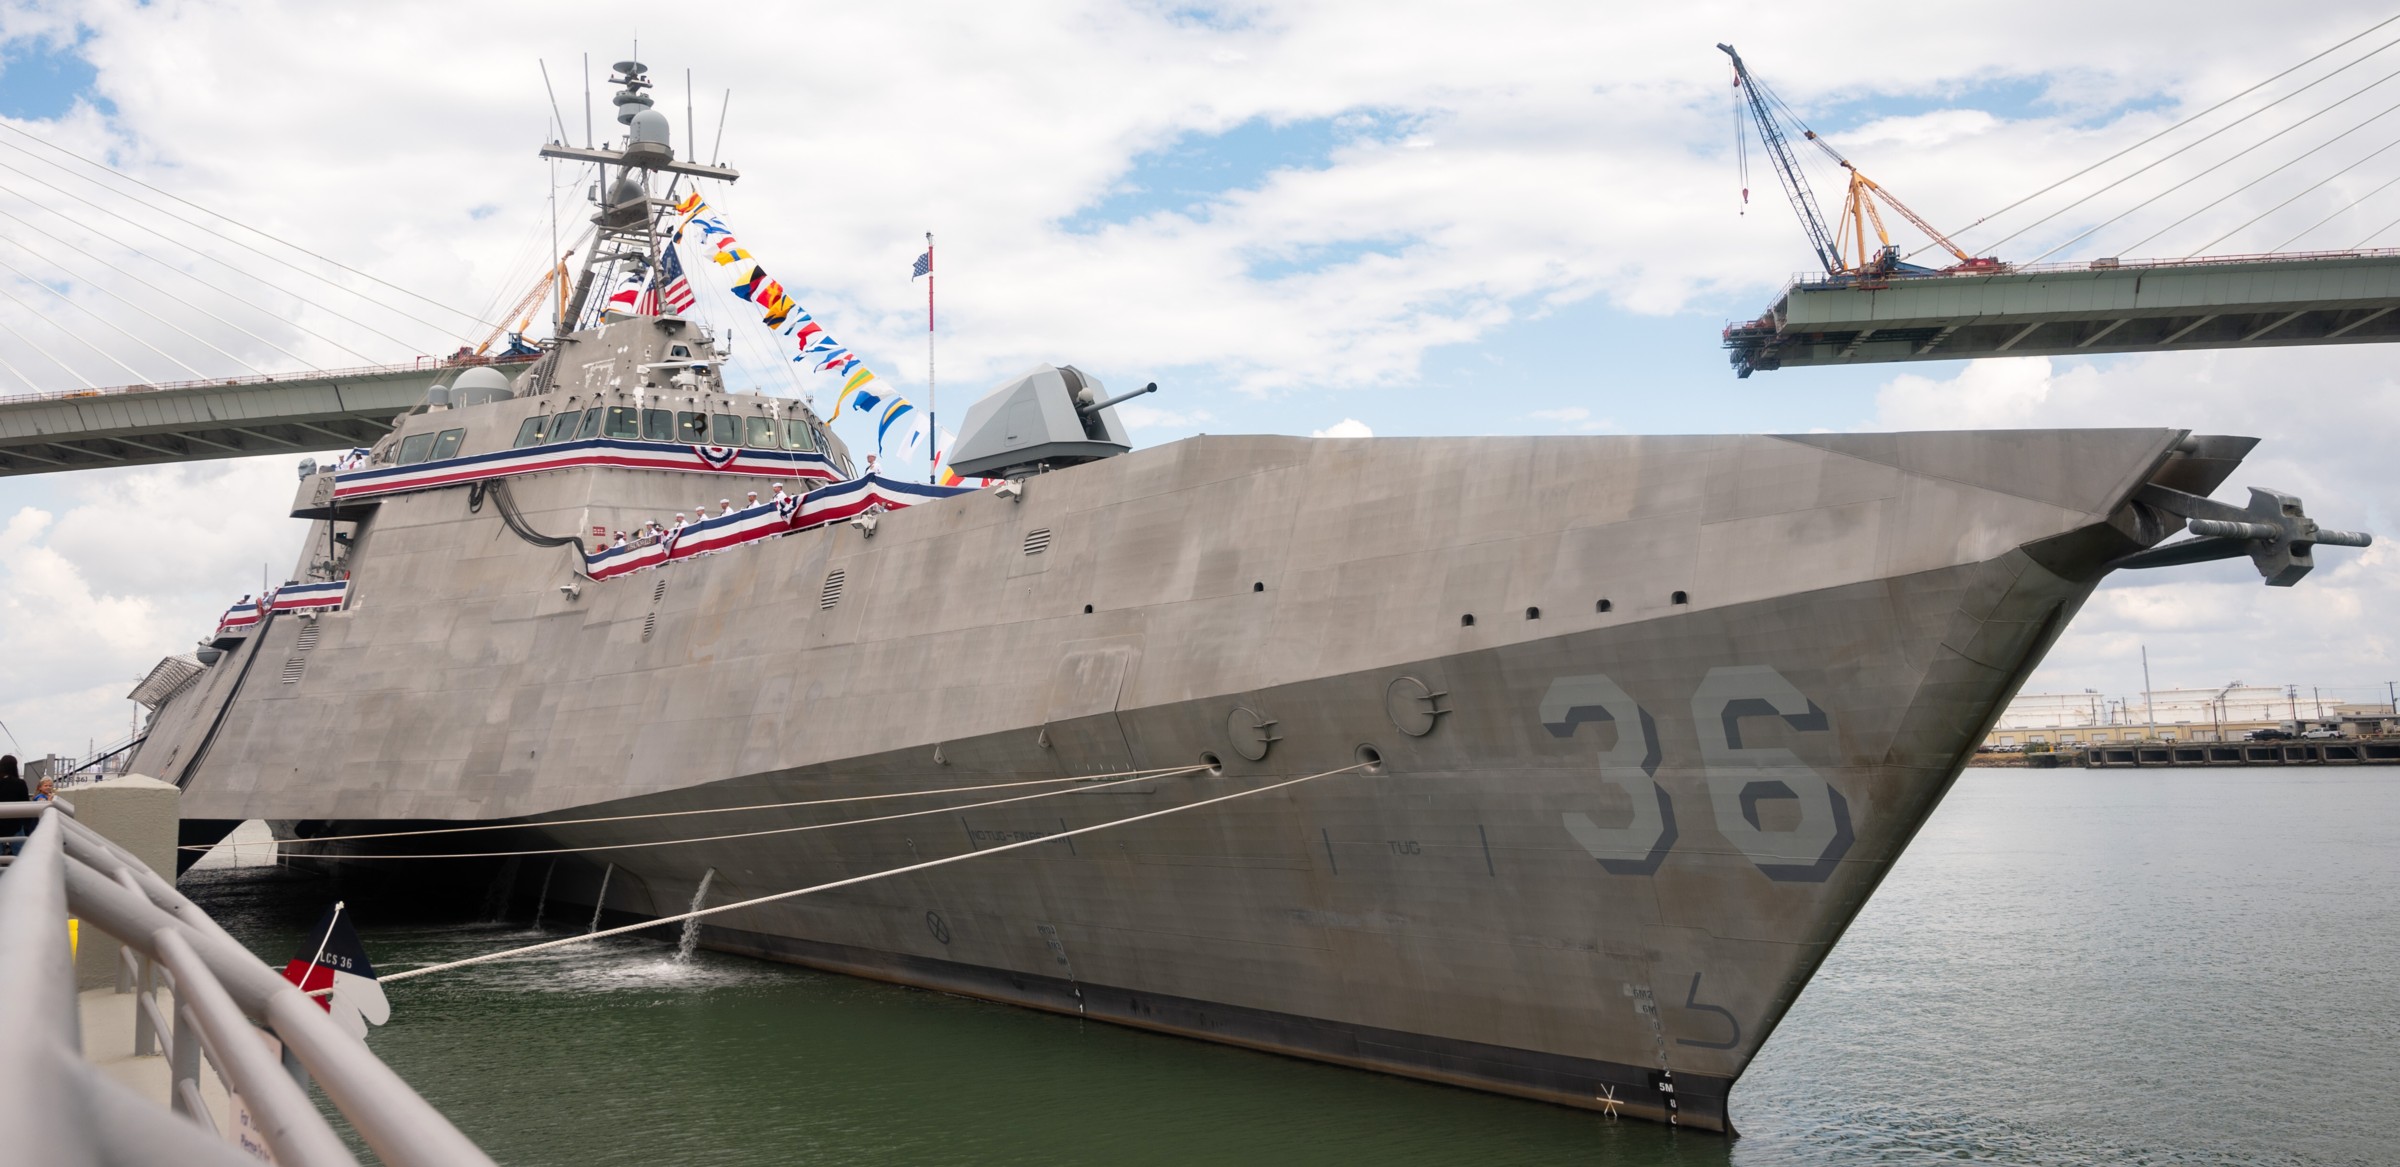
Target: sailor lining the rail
x,y
780,496
620,542
724,507
753,503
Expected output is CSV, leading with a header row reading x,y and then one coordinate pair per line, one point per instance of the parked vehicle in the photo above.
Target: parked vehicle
x,y
2321,734
2268,735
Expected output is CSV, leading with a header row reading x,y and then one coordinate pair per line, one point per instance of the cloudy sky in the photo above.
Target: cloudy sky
x,y
1385,218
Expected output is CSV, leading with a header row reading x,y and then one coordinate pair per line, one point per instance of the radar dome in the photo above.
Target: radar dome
x,y
647,128
479,385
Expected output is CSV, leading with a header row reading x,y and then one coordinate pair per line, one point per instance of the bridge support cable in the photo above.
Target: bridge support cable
x,y
2169,130
271,237
2352,205
2213,168
228,293
2303,156
97,287
855,880
86,310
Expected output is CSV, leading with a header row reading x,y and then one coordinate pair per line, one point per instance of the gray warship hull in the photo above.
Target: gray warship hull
x,y
1637,723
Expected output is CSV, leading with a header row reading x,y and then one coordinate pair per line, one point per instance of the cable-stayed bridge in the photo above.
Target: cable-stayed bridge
x,y
188,421
2082,309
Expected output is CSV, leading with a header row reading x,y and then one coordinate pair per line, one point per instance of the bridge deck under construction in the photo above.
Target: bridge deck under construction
x,y
2105,306
193,420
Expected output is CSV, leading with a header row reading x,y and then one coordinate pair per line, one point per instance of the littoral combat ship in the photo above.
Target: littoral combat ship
x,y
1618,733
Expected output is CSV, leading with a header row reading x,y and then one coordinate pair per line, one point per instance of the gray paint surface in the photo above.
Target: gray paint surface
x,y
1606,845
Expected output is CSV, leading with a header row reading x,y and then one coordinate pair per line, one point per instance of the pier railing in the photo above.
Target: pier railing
x,y
264,1038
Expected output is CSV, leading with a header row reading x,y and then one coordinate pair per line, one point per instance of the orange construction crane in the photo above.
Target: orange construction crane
x,y
1843,249
556,276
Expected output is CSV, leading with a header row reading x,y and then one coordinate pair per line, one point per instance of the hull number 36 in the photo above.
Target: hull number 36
x,y
1739,779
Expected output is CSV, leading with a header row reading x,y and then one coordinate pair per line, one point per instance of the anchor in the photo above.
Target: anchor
x,y
2273,531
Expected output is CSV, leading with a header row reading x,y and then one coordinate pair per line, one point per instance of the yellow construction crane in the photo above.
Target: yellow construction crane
x,y
1843,248
556,276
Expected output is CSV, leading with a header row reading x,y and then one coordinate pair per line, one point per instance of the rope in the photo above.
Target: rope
x,y
852,881
2361,90
2163,133
669,814
758,833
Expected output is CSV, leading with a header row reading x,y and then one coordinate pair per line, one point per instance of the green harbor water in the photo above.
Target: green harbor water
x,y
2067,967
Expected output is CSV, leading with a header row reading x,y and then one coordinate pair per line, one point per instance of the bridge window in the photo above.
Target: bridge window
x,y
414,447
562,428
529,434
762,432
658,425
591,424
445,444
724,430
691,428
796,435
623,422
679,350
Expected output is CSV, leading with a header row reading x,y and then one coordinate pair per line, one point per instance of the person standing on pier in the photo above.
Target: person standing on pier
x,y
12,789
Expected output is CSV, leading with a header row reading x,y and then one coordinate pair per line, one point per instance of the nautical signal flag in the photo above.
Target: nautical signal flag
x,y
892,413
924,266
331,958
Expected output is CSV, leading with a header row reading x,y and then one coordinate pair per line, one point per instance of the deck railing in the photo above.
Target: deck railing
x,y
229,1007
421,364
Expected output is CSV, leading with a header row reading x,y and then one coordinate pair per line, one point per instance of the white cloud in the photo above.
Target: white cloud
x,y
1570,413
1563,153
2320,414
1348,427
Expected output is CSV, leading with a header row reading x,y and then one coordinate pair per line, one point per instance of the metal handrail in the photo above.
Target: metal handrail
x,y
1819,281
224,997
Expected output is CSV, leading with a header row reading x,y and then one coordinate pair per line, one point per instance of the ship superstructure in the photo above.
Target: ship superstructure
x,y
1623,730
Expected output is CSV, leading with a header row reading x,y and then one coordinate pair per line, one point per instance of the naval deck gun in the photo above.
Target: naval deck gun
x,y
1051,417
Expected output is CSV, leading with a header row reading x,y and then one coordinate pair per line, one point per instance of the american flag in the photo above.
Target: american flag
x,y
672,288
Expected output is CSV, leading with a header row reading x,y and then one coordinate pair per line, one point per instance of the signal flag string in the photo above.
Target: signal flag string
x,y
1159,772
851,881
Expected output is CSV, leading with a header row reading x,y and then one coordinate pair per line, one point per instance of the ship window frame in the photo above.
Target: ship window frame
x,y
679,350
530,432
414,447
796,436
691,428
446,443
562,427
591,425
758,428
725,430
630,416
664,431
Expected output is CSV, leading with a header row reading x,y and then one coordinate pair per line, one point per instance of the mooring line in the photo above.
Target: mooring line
x,y
881,818
854,880
668,814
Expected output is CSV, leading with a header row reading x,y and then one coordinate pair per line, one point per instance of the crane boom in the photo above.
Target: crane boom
x,y
1787,168
524,304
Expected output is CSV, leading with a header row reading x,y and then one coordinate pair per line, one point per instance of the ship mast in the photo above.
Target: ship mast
x,y
630,218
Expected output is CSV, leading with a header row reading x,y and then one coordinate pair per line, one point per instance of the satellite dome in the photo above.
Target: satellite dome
x,y
647,128
479,385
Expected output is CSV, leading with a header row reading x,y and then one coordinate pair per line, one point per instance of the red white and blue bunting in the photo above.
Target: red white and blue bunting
x,y
832,504
610,452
